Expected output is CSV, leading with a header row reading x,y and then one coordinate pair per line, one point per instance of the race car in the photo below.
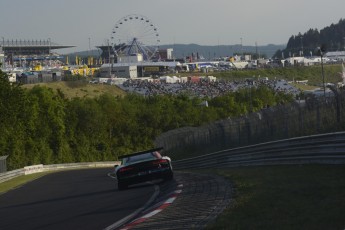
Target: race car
x,y
143,166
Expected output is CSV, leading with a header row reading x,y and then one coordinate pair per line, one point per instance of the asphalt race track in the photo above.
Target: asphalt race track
x,y
78,199
89,199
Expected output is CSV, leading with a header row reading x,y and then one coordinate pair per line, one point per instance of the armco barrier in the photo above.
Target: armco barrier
x,y
33,169
321,149
45,168
318,149
11,174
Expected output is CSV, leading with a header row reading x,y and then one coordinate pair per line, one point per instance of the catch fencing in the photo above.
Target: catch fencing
x,y
315,149
315,115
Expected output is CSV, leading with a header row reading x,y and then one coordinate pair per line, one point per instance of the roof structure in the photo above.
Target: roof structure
x,y
30,47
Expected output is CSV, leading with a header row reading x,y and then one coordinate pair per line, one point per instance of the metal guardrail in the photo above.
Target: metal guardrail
x,y
45,168
318,149
11,174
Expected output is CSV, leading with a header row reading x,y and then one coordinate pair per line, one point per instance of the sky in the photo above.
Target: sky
x,y
89,23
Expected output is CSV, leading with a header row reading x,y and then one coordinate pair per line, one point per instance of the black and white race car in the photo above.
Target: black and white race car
x,y
143,166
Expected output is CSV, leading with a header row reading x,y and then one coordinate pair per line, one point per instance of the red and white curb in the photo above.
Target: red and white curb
x,y
160,207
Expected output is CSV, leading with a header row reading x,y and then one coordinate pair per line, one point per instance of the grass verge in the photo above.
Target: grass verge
x,y
285,197
81,89
18,181
304,87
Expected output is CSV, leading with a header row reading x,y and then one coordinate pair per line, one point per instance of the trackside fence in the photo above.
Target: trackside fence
x,y
313,116
316,149
46,168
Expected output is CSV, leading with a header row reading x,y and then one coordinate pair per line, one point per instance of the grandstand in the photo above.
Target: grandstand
x,y
29,52
29,47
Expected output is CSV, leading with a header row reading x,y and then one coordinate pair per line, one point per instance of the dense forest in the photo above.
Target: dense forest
x,y
331,37
39,125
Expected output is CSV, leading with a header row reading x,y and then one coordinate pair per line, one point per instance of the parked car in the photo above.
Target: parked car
x,y
143,166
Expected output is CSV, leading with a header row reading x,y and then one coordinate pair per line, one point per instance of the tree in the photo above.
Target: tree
x,y
12,103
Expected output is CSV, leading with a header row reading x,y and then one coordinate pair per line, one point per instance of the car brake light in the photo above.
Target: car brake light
x,y
160,161
125,169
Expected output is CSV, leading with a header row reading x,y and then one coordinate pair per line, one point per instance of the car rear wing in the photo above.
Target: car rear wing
x,y
139,153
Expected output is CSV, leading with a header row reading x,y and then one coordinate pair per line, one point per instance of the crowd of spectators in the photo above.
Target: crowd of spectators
x,y
202,88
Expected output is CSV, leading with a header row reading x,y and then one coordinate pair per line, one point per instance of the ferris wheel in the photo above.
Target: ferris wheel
x,y
135,34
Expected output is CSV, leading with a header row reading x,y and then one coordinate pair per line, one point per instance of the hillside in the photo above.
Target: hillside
x,y
208,52
81,89
332,38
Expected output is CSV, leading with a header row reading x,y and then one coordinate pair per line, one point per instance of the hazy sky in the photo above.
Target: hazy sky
x,y
219,22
